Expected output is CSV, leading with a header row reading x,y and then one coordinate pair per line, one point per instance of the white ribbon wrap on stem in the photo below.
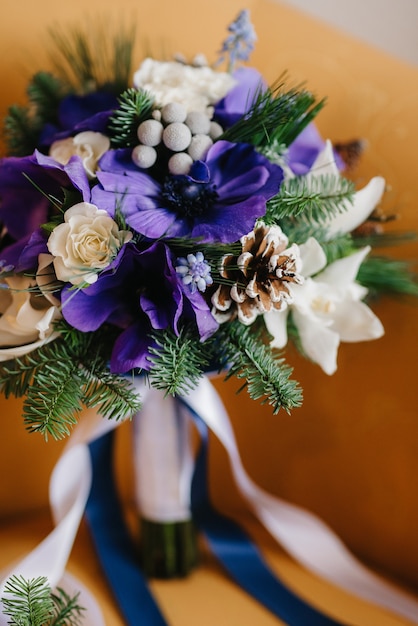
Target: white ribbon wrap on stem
x,y
302,534
163,460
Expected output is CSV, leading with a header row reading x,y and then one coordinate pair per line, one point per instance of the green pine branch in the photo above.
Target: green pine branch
x,y
385,275
266,376
45,92
177,361
313,201
53,399
93,58
113,396
21,131
276,117
134,107
31,602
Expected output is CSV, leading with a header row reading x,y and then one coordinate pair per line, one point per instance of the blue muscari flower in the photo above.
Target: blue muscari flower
x,y
240,43
194,271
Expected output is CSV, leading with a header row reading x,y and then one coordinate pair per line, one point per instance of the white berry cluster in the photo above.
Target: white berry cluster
x,y
187,135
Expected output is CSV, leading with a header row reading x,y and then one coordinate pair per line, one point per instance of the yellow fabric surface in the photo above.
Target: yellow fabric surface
x,y
351,453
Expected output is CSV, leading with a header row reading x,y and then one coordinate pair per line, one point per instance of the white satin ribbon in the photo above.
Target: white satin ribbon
x,y
163,462
302,534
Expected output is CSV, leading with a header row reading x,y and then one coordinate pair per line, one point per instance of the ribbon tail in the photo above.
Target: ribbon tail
x,y
304,536
239,555
114,546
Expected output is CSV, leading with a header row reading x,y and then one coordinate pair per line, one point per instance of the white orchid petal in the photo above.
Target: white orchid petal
x,y
364,202
319,342
312,256
343,271
276,322
324,164
354,321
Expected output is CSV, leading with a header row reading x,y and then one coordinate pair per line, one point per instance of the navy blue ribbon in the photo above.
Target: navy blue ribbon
x,y
239,555
115,548
231,546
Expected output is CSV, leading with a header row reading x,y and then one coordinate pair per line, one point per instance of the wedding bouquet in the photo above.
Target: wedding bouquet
x,y
182,219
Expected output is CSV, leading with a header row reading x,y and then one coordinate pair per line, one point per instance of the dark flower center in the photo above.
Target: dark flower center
x,y
188,198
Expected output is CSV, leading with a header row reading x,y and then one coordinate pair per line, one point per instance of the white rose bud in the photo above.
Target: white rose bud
x,y
89,146
85,243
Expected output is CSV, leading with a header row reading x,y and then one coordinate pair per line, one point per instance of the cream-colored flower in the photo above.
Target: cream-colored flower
x,y
194,87
27,318
89,146
85,243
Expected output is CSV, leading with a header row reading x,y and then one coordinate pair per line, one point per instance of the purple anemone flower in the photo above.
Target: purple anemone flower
x,y
218,201
25,184
240,98
137,293
79,113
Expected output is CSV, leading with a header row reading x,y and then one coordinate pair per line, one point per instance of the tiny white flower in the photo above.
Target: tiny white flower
x,y
85,243
26,320
88,145
194,87
326,308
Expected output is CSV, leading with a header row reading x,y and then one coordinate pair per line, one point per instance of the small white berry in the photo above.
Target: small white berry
x,y
216,130
173,112
199,146
198,122
180,163
144,156
177,137
150,132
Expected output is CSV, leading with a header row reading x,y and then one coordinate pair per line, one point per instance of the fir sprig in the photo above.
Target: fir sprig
x,y
21,131
178,361
62,376
267,377
385,275
277,116
32,603
23,124
135,106
92,58
313,201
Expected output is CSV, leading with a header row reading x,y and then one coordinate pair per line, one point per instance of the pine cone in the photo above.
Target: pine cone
x,y
258,278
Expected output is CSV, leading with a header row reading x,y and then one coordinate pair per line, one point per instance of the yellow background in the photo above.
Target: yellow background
x,y
351,453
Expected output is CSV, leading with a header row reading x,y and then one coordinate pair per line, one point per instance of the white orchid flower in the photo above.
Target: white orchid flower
x,y
364,202
327,308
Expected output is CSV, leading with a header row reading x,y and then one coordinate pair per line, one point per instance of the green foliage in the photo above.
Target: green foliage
x,y
266,376
21,131
22,125
177,361
32,603
134,107
385,275
61,376
93,58
277,116
312,201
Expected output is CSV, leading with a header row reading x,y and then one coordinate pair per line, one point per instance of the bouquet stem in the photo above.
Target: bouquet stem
x,y
163,461
169,549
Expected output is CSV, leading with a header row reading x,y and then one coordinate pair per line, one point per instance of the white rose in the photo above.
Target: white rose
x,y
85,243
194,87
89,146
27,318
